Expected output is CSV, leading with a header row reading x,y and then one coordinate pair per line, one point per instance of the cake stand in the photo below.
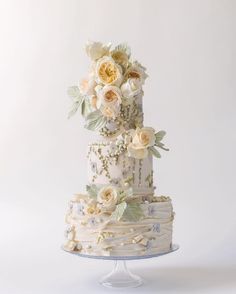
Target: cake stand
x,y
120,276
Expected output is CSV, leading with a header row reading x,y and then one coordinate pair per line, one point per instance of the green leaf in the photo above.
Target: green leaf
x,y
94,115
74,92
133,212
78,99
161,145
95,121
74,109
160,135
86,108
119,211
92,190
154,152
123,194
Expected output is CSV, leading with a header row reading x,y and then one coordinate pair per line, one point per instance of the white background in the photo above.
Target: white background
x,y
189,50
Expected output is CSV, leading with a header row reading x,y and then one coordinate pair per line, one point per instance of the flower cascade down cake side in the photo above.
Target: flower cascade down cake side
x,y
119,214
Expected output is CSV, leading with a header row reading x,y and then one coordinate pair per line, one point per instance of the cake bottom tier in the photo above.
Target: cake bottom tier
x,y
98,234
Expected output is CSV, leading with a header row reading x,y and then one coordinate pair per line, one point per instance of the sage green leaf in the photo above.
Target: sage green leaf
x,y
74,92
75,106
92,190
133,212
119,211
95,121
86,108
160,135
94,115
125,194
77,98
154,152
161,145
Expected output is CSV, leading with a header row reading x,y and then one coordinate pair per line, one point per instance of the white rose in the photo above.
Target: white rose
x,y
109,100
136,71
107,197
96,50
141,140
107,72
108,95
144,137
131,87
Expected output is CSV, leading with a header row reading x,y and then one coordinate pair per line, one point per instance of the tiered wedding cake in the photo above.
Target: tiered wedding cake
x,y
119,214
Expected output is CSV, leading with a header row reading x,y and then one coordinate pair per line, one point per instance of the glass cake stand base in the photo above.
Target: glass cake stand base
x,y
120,277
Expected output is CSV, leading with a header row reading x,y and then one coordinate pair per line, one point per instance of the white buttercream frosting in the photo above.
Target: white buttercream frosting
x,y
99,235
105,167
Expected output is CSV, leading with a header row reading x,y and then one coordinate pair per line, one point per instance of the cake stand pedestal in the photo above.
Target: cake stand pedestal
x,y
120,277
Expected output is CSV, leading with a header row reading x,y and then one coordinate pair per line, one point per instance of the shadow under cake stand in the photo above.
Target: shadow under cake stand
x,y
120,276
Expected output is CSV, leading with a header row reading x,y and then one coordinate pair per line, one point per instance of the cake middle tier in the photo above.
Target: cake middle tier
x,y
109,164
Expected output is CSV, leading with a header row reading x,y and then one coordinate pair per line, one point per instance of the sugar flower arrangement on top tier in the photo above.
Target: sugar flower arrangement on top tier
x,y
109,99
112,83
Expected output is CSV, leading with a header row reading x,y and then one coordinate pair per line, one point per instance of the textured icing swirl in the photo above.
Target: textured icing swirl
x,y
99,235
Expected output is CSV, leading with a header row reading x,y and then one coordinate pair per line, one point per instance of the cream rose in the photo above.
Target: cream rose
x,y
91,208
131,87
108,95
107,197
96,50
120,57
144,137
141,140
136,71
109,100
107,72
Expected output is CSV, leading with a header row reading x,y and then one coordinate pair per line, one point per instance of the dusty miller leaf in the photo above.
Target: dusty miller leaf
x,y
133,212
77,98
119,211
154,152
92,190
74,93
160,135
94,115
86,108
95,121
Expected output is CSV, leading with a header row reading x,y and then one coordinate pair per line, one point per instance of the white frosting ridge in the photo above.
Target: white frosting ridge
x,y
99,235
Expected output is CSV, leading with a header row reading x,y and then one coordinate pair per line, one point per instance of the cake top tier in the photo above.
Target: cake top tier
x,y
110,97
